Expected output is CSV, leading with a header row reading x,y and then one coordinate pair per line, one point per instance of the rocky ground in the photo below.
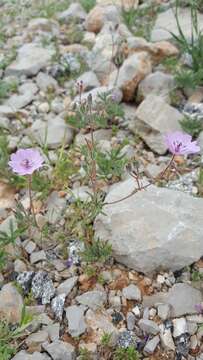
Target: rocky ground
x,y
125,283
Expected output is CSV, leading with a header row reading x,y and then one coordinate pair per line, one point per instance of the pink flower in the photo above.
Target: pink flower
x,y
180,143
26,161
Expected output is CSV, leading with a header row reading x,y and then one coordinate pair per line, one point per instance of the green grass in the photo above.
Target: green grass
x,y
129,353
88,4
6,89
191,126
194,47
8,335
98,251
7,238
140,21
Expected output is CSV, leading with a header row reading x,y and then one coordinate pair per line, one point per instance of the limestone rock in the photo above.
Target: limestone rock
x,y
157,83
132,71
76,320
46,82
26,95
89,81
176,298
7,196
11,304
100,323
43,25
30,60
54,133
75,13
148,326
99,15
66,286
93,299
155,238
132,292
59,350
154,118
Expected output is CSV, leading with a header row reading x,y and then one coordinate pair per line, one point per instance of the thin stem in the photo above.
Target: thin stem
x,y
136,177
32,210
92,148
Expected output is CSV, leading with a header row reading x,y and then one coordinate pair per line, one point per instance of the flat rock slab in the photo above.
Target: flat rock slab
x,y
153,229
166,23
30,60
93,299
181,297
59,350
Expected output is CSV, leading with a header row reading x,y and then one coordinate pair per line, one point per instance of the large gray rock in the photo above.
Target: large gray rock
x,y
154,118
75,13
166,23
46,82
23,355
89,80
153,229
54,133
59,350
157,83
76,320
177,299
99,15
30,60
25,96
133,70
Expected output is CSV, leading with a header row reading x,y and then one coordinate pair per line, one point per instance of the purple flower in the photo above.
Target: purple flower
x,y
69,262
26,161
199,308
180,143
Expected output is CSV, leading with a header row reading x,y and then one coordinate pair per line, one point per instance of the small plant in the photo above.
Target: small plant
x,y
106,339
81,216
192,47
129,353
64,168
191,126
88,4
50,8
140,21
186,78
90,271
7,238
6,88
111,164
129,17
4,156
74,35
200,182
196,275
7,60
85,354
98,251
84,116
8,336
171,64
